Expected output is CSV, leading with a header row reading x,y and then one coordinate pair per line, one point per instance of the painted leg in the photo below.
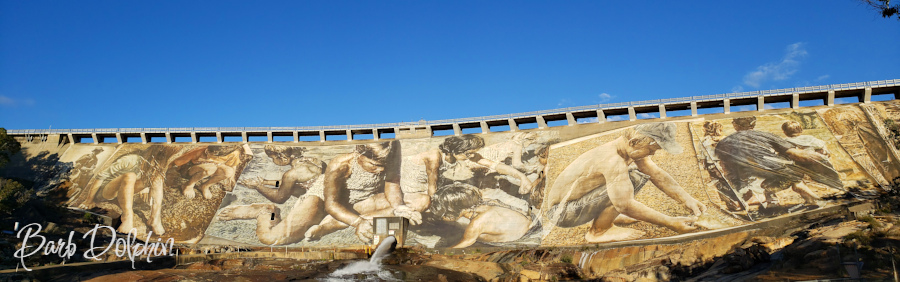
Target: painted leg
x,y
156,200
246,211
222,172
126,201
603,230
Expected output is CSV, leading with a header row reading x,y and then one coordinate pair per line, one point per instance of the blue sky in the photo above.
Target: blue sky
x,y
103,64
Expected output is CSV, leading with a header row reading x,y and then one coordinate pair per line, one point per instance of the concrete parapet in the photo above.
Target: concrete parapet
x,y
601,117
541,122
512,125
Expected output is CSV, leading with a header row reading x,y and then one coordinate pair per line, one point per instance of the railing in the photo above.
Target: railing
x,y
775,92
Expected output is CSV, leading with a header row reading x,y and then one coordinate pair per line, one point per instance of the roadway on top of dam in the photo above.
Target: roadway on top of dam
x,y
601,112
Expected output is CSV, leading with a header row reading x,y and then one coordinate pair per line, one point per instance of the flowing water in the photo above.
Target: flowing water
x,y
367,270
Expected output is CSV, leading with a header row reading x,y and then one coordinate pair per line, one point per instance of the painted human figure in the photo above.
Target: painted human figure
x,y
489,220
597,186
215,162
303,180
362,185
130,175
453,160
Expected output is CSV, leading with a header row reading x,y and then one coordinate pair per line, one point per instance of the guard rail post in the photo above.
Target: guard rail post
x,y
867,95
541,122
570,119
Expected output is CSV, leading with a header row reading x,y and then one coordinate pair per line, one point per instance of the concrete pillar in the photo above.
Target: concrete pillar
x,y
662,111
830,99
193,137
321,136
760,104
484,127
867,96
94,136
296,136
693,109
631,115
541,122
601,117
726,104
168,138
143,138
349,135
512,125
795,101
456,130
375,134
269,137
396,133
71,138
571,119
244,137
219,137
119,138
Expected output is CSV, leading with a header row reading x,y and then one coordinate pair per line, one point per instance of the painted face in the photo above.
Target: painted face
x,y
465,155
371,165
280,158
644,149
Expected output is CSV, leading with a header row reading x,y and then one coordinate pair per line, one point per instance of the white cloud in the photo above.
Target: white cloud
x,y
605,97
616,118
737,89
646,116
562,102
824,77
743,108
780,70
588,120
10,102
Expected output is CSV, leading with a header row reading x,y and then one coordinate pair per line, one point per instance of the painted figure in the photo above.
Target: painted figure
x,y
130,175
453,161
489,220
304,180
598,186
215,162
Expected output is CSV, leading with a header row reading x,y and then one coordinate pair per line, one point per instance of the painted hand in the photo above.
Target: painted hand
x,y
414,216
364,230
696,207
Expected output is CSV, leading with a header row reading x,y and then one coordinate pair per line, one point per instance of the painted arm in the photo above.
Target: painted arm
x,y
621,195
189,156
473,231
668,185
281,194
336,194
525,184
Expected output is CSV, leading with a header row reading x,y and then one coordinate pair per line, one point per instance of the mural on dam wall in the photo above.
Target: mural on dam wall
x,y
556,187
457,191
154,187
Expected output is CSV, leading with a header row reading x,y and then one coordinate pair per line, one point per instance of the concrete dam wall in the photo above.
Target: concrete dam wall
x,y
558,186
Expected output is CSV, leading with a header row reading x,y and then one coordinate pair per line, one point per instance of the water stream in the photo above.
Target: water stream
x,y
367,270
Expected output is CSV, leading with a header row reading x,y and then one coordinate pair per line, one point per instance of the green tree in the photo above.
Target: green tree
x,y
12,194
884,6
8,147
